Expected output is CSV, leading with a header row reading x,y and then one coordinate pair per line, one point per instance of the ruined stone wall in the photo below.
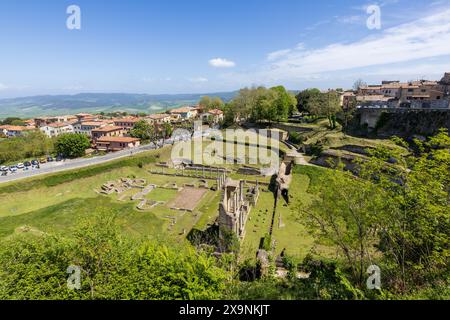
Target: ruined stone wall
x,y
404,122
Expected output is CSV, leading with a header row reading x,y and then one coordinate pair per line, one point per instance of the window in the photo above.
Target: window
x,y
438,98
410,90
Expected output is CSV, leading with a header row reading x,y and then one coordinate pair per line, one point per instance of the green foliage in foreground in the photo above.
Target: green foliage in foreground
x,y
33,144
112,267
395,216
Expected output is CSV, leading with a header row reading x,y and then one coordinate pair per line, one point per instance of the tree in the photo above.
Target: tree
x,y
414,237
358,84
344,213
208,103
72,145
244,102
112,266
167,130
33,144
325,104
264,107
348,111
305,97
12,121
395,213
144,131
284,103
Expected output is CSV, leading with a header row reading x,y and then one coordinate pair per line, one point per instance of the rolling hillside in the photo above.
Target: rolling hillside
x,y
97,102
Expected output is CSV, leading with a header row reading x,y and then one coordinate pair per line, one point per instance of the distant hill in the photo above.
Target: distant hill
x,y
27,107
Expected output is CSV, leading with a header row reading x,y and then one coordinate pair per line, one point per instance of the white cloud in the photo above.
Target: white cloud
x,y
278,54
3,87
221,63
423,38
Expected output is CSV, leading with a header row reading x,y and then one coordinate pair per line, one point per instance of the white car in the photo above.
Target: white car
x,y
3,168
20,166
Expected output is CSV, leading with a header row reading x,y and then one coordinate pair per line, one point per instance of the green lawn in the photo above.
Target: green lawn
x,y
288,232
59,218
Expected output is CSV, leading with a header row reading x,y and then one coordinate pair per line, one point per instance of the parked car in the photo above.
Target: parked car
x,y
27,164
20,166
13,169
34,162
3,168
50,159
43,160
58,158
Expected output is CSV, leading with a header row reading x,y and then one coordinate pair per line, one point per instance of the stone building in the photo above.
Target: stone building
x,y
235,206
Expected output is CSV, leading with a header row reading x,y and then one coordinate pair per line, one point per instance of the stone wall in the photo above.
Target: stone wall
x,y
404,122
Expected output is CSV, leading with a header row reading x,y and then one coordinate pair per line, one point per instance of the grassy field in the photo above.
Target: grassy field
x,y
289,232
54,203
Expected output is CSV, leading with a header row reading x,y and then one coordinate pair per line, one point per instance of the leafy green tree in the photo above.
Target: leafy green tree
x,y
144,131
344,213
167,129
12,121
72,145
284,103
325,104
264,107
208,103
414,238
305,97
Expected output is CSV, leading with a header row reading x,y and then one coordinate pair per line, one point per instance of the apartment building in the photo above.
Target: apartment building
x,y
108,131
86,127
159,118
126,123
57,128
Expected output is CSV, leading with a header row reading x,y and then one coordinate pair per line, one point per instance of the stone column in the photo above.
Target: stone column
x,y
241,190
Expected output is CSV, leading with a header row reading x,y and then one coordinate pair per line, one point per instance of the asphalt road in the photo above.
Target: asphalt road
x,y
53,167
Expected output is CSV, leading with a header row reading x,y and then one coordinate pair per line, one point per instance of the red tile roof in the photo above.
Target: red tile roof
x,y
108,129
117,139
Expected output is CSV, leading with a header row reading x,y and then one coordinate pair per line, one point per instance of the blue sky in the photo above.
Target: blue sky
x,y
198,46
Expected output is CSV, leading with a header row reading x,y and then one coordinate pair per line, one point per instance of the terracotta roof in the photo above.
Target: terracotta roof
x,y
93,123
182,110
158,116
215,112
117,139
129,119
108,129
58,124
15,128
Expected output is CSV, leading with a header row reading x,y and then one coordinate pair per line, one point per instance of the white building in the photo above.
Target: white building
x,y
56,129
86,127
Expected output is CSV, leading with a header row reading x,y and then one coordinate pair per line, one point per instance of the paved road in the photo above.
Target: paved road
x,y
53,167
